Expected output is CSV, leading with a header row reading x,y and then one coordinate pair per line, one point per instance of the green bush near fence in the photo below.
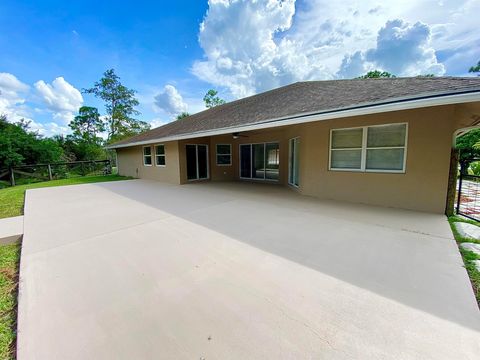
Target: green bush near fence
x,y
474,168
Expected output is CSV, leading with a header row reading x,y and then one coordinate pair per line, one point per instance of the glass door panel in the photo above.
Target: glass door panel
x,y
191,153
293,168
246,161
202,161
272,161
258,156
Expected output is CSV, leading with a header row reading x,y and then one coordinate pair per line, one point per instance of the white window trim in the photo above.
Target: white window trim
x,y
216,154
364,148
251,160
143,155
157,155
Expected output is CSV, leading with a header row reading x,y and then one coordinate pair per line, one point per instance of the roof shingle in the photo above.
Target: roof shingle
x,y
308,97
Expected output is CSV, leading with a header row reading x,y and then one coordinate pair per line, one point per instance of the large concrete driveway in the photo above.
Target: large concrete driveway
x,y
143,270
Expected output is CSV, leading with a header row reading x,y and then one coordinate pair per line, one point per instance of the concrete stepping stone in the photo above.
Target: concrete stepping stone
x,y
468,230
477,264
11,229
471,247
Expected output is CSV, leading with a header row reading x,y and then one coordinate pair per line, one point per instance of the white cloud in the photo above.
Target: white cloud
x,y
17,102
49,129
156,122
403,49
252,46
60,97
12,97
170,101
243,51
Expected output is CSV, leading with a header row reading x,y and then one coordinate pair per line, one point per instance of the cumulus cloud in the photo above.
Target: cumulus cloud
x,y
403,49
244,48
170,101
59,97
252,46
48,129
13,94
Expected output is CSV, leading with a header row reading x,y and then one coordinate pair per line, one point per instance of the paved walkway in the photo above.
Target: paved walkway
x,y
143,270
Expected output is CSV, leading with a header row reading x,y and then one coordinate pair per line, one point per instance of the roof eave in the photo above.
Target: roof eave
x,y
364,109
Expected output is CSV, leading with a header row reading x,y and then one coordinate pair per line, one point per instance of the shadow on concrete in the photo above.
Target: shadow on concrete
x,y
409,257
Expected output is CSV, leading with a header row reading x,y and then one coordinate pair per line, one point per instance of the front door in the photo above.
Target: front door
x,y
197,162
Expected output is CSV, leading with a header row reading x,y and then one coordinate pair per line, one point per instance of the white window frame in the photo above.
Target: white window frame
x,y
143,155
158,155
217,154
364,148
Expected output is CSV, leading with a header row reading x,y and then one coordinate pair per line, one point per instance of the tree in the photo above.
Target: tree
x,y
475,69
182,115
120,103
211,99
87,125
19,145
375,74
77,149
467,144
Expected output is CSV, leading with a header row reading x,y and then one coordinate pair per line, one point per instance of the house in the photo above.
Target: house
x,y
385,142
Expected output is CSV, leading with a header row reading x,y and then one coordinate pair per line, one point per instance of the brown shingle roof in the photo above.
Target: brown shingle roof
x,y
308,97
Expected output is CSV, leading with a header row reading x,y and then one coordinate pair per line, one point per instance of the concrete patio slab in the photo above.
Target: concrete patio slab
x,y
143,270
11,229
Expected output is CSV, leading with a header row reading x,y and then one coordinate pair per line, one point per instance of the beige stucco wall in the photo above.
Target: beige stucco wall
x,y
130,163
422,187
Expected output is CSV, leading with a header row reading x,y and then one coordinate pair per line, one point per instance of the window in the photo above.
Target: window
x,y
259,161
147,156
160,155
380,148
224,154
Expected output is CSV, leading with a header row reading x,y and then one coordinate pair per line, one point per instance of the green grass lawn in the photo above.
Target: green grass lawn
x,y
468,256
12,198
9,261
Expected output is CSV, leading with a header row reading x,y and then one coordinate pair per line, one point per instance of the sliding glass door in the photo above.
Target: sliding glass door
x,y
293,163
197,162
259,161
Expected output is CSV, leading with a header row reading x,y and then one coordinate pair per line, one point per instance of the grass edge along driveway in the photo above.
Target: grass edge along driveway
x,y
468,256
9,264
12,198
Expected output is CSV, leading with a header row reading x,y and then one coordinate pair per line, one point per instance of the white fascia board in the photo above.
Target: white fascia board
x,y
327,115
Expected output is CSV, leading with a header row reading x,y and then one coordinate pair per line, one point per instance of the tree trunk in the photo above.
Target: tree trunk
x,y
452,183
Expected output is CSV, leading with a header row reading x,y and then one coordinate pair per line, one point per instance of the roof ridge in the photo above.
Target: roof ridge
x,y
392,78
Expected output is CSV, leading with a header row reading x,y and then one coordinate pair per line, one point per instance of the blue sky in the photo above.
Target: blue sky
x,y
172,52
